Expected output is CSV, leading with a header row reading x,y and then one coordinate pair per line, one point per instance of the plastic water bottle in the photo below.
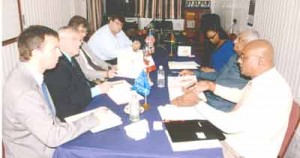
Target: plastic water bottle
x,y
134,105
160,77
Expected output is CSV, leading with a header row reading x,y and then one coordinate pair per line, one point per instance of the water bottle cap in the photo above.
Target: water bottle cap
x,y
160,67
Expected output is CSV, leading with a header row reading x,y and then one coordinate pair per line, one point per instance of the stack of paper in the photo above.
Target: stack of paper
x,y
109,120
120,92
171,112
176,84
182,65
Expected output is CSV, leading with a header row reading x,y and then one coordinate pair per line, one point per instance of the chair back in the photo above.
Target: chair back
x,y
3,150
293,122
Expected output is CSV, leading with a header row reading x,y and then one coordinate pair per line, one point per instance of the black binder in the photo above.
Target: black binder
x,y
181,131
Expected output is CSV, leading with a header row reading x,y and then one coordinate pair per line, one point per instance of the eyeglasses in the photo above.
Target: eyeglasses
x,y
244,58
212,37
239,40
118,23
83,31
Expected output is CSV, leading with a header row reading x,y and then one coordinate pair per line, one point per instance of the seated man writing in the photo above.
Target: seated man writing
x,y
229,75
257,125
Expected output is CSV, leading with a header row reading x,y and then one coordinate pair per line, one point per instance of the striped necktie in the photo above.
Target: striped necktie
x,y
48,99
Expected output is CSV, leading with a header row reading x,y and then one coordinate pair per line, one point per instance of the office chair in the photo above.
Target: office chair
x,y
292,127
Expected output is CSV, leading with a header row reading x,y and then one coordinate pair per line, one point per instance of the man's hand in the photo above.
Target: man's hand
x,y
104,87
207,69
111,73
136,45
100,114
186,73
202,86
186,100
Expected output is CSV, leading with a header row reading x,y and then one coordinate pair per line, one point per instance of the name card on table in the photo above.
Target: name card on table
x,y
182,65
184,51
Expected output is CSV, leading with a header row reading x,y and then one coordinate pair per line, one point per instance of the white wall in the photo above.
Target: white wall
x,y
53,13
276,20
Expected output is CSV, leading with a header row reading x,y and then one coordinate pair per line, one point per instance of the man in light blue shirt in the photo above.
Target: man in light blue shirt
x,y
107,41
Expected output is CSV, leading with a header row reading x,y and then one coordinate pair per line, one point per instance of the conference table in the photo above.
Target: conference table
x,y
114,143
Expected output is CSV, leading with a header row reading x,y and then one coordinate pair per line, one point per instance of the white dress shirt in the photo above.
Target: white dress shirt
x,y
257,128
106,45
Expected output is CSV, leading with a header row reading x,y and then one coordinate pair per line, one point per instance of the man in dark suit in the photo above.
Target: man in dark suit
x,y
30,128
69,88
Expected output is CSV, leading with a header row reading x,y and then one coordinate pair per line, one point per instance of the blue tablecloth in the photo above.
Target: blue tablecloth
x,y
115,143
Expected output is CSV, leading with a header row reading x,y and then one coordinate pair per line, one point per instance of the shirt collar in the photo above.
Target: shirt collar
x,y
67,56
38,77
266,76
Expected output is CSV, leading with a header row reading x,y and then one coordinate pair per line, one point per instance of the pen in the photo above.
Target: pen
x,y
191,85
199,124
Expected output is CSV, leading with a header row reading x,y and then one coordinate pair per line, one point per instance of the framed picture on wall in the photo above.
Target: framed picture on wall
x,y
12,26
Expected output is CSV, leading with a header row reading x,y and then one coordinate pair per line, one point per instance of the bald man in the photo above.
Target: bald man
x,y
229,76
257,125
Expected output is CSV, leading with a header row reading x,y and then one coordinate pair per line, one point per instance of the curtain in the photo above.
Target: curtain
x,y
94,14
169,9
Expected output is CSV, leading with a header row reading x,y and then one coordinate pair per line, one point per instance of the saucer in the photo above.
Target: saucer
x,y
127,109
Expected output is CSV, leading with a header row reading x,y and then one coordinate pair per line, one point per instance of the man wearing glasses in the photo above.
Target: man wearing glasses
x,y
109,39
257,125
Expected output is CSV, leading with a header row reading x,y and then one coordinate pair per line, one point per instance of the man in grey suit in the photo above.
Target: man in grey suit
x,y
91,65
30,126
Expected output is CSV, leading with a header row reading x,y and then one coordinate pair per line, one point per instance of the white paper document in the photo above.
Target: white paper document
x,y
109,120
120,92
172,112
137,130
184,51
130,63
182,65
177,83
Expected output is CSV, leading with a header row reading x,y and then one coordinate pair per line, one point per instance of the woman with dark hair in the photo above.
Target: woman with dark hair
x,y
223,48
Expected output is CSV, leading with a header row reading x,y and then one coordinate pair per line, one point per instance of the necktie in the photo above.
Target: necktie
x,y
78,71
90,62
48,99
244,96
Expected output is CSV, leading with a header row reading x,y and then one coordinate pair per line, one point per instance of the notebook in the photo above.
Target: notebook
x,y
193,135
110,120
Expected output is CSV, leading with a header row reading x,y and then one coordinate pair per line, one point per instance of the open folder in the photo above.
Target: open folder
x,y
110,120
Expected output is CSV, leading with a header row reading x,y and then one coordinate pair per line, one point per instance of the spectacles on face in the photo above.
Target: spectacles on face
x,y
244,58
118,23
239,40
213,36
82,31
